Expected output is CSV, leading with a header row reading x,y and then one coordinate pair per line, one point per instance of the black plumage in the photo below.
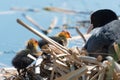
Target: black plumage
x,y
21,61
102,17
106,31
61,39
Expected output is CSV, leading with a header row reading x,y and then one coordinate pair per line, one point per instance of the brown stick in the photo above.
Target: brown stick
x,y
80,34
33,22
73,74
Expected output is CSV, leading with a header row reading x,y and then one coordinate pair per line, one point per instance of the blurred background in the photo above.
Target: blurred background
x,y
66,12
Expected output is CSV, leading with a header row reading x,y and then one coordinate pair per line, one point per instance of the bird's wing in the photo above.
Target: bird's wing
x,y
113,30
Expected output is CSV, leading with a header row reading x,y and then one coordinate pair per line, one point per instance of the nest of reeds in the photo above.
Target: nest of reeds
x,y
73,66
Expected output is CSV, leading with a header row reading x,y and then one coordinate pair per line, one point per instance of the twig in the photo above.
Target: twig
x,y
52,25
73,74
117,49
33,22
25,9
55,9
53,71
77,29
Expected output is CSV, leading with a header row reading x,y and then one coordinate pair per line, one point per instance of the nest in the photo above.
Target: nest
x,y
73,66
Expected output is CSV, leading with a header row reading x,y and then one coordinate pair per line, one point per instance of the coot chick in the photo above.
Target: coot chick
x,y
61,38
21,61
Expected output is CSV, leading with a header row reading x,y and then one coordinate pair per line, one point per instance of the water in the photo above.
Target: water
x,y
13,36
5,58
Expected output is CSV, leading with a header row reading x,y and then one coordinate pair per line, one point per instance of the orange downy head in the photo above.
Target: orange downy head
x,y
64,34
32,43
